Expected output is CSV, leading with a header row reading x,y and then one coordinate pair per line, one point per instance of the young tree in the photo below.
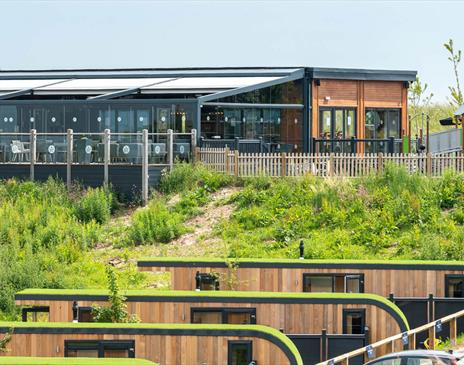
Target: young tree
x,y
455,57
418,97
116,312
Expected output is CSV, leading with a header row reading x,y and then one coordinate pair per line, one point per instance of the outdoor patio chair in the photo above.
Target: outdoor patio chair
x,y
19,151
44,150
130,152
182,150
157,152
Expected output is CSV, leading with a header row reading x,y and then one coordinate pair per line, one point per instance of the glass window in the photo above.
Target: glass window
x,y
240,352
207,317
392,361
339,283
318,283
224,315
36,314
353,321
454,286
382,123
207,281
103,348
85,314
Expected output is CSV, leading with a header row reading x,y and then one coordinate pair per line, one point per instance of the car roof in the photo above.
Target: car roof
x,y
415,353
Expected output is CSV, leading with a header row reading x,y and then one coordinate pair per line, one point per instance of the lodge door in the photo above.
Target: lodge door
x,y
337,126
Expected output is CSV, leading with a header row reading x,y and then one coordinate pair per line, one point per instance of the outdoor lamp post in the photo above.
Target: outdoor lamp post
x,y
75,311
198,281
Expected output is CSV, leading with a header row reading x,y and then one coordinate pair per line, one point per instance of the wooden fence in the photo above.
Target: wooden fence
x,y
325,165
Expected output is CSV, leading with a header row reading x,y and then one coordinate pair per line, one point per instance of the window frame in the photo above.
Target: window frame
x,y
447,280
333,276
332,110
230,345
34,309
387,126
346,312
224,312
215,280
79,313
100,346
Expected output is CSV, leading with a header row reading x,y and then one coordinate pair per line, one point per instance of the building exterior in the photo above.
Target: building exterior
x,y
284,108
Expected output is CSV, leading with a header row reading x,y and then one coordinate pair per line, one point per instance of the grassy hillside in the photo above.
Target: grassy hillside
x,y
52,238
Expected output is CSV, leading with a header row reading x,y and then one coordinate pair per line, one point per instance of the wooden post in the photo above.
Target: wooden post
x,y
389,347
345,361
429,164
453,331
106,157
236,162
380,163
145,166
226,160
331,165
283,164
69,156
170,149
431,339
33,150
193,142
197,154
412,341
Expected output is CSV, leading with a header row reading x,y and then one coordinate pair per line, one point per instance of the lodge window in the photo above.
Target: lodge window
x,y
224,315
454,286
354,321
333,283
36,314
239,353
84,314
381,124
104,348
206,281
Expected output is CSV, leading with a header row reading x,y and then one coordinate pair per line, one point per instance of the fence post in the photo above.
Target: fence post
x,y
431,339
193,143
331,165
33,149
380,163
226,160
412,341
453,331
197,154
284,163
69,156
429,164
145,166
236,163
170,149
106,157
324,352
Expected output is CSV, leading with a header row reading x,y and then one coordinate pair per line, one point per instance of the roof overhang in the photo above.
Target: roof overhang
x,y
361,74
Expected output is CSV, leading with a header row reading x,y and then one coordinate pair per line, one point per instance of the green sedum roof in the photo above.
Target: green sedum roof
x,y
210,327
299,261
219,294
17,360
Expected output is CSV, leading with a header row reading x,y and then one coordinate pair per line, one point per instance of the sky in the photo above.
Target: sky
x,y
404,35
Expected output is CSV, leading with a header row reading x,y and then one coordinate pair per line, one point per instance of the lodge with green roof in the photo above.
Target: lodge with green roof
x,y
400,278
182,344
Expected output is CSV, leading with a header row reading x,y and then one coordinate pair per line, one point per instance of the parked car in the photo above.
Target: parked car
x,y
417,357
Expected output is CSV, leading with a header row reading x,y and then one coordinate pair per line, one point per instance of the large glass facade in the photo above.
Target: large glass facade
x,y
280,127
88,120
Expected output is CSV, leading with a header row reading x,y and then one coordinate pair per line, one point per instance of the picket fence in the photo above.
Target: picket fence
x,y
324,165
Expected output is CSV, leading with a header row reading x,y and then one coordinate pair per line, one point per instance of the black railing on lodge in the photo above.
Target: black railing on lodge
x,y
387,145
244,145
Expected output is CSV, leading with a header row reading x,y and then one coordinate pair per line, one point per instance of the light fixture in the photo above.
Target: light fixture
x,y
141,119
119,119
5,119
32,119
53,119
74,119
327,98
99,119
296,121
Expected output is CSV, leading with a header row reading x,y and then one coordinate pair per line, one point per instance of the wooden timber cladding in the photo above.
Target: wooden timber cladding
x,y
300,313
161,344
403,280
360,94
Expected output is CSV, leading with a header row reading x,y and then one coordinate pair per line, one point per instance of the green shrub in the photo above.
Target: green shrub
x,y
153,224
95,205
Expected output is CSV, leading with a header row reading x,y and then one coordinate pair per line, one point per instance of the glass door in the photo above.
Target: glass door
x,y
337,126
